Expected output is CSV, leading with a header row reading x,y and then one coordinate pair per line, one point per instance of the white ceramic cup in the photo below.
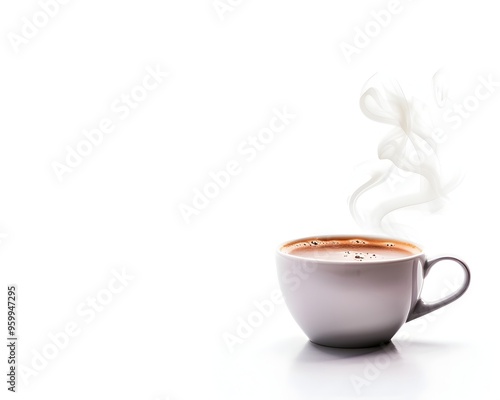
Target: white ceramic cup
x,y
349,304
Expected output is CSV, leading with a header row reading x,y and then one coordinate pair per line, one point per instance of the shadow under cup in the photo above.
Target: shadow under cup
x,y
340,300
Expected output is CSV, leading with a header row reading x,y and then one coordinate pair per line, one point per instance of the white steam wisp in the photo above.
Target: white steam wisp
x,y
408,154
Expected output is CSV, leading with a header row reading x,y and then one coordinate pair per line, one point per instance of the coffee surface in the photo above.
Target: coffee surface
x,y
350,249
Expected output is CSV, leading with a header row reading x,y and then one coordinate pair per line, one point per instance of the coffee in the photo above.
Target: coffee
x,y
350,249
348,291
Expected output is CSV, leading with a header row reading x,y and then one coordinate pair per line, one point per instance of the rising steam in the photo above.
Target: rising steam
x,y
408,172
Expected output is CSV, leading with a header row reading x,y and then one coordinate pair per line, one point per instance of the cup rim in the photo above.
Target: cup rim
x,y
353,237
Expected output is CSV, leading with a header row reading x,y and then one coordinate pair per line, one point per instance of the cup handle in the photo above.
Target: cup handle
x,y
422,308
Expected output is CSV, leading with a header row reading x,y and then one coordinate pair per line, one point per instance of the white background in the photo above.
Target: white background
x,y
162,335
